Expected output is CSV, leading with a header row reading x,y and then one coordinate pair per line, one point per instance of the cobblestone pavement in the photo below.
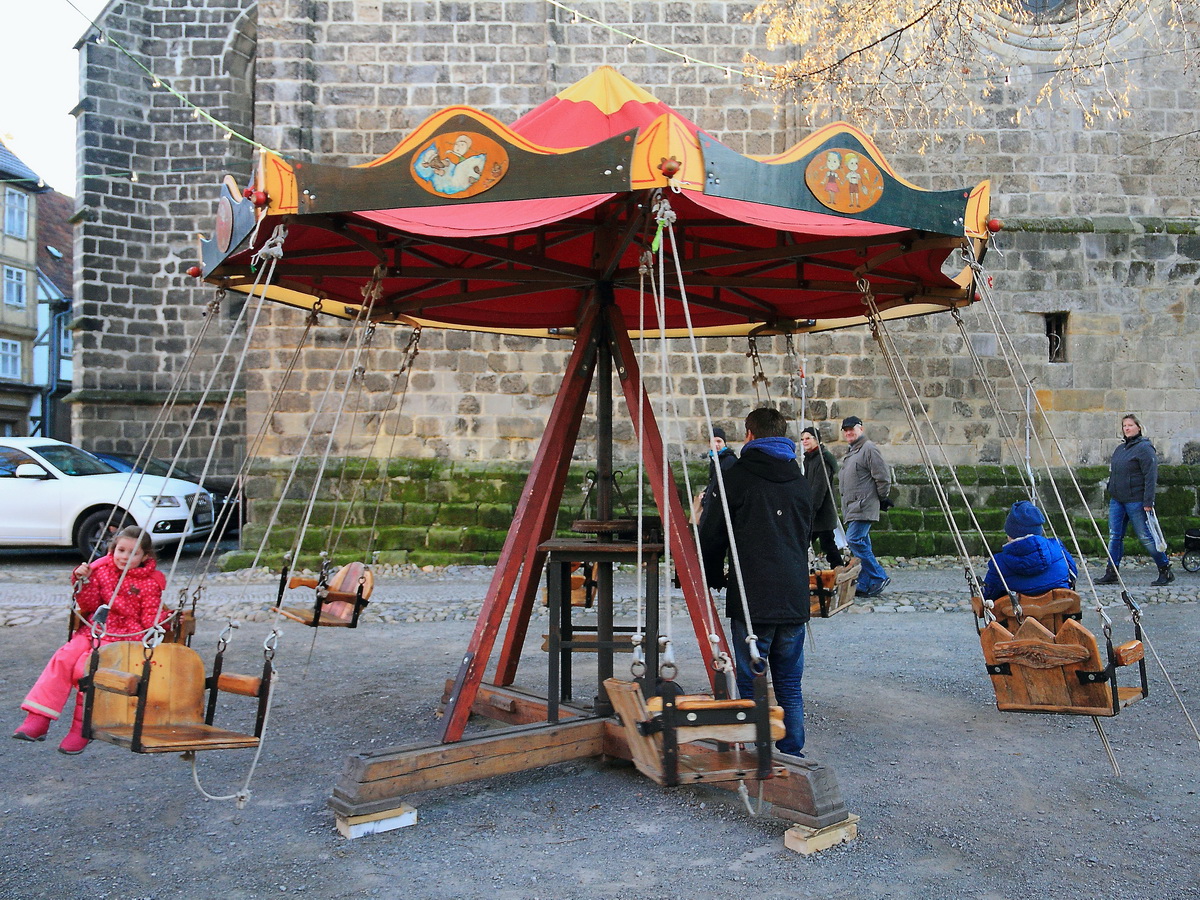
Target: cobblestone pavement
x,y
31,594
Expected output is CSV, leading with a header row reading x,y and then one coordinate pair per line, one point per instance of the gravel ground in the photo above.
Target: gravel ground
x,y
956,799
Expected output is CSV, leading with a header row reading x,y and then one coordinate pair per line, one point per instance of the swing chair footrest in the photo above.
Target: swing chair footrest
x,y
304,615
177,738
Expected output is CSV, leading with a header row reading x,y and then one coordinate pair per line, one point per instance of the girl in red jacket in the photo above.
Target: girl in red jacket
x,y
132,611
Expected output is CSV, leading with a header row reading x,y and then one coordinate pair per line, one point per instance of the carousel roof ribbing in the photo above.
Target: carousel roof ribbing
x,y
469,223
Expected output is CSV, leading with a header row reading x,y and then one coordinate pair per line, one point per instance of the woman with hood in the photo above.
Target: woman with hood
x,y
819,469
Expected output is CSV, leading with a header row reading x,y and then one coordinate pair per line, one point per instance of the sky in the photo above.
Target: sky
x,y
39,83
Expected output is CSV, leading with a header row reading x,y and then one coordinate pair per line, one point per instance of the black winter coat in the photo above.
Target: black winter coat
x,y
819,469
771,510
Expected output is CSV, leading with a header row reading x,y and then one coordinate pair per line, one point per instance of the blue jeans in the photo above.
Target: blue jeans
x,y
858,539
782,646
1119,516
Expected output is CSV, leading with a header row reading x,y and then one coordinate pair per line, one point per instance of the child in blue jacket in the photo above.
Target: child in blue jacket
x,y
1030,563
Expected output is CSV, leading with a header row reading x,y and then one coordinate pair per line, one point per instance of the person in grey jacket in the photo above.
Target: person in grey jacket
x,y
1132,480
865,482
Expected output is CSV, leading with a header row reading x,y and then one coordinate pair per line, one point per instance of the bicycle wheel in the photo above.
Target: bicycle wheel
x,y
1191,560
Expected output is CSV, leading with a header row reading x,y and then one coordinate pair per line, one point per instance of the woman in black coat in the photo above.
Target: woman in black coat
x,y
819,469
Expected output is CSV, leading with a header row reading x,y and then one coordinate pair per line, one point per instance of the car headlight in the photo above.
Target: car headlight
x,y
159,500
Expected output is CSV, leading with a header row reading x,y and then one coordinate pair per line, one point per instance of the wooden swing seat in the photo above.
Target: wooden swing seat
x,y
647,750
1036,670
742,733
341,597
173,720
832,590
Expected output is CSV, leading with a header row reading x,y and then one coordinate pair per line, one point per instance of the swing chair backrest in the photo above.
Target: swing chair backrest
x,y
342,589
1051,609
1036,670
173,719
832,590
742,733
345,581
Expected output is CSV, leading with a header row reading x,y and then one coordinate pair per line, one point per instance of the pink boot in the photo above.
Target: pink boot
x,y
75,743
34,728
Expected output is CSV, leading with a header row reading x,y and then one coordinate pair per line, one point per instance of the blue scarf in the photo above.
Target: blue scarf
x,y
776,447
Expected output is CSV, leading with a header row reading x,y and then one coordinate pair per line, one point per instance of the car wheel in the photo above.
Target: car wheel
x,y
91,537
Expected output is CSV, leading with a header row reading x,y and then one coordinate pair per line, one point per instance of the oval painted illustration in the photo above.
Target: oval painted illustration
x,y
224,229
844,180
460,164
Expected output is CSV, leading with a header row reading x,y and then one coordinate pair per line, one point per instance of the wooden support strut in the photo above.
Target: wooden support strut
x,y
543,484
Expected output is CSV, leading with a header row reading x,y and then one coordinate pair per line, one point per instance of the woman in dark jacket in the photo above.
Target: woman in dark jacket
x,y
1132,481
819,469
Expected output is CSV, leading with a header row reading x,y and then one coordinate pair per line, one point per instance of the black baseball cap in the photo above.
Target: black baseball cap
x,y
850,422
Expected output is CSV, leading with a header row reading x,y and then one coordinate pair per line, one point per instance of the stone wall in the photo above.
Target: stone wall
x,y
1101,226
149,173
436,512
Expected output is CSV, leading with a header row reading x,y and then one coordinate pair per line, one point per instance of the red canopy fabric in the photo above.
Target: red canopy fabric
x,y
529,265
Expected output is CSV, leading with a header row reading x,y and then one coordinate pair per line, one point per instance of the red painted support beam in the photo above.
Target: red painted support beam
x,y
557,443
543,529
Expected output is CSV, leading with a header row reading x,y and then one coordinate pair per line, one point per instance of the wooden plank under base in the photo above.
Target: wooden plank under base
x,y
352,827
806,841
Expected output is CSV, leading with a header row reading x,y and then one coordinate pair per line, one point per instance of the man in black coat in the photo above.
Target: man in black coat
x,y
771,512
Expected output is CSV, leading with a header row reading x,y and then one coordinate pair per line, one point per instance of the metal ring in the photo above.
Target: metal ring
x,y
668,671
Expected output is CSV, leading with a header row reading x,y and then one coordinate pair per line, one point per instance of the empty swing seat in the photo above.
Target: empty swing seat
x,y
170,696
1036,670
832,590
341,605
647,749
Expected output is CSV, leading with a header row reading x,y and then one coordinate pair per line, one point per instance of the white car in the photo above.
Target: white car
x,y
53,494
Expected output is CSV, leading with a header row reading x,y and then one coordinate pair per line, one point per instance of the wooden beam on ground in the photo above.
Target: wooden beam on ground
x,y
380,780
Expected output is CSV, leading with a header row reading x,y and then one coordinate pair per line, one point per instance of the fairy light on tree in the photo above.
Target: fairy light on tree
x,y
920,65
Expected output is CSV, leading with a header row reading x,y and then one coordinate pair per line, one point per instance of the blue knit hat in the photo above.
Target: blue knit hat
x,y
1024,519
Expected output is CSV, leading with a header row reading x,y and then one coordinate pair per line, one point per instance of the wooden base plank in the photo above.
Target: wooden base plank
x,y
807,841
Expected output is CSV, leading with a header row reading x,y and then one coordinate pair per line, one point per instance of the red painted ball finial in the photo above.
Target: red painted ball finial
x,y
195,271
994,225
670,167
260,199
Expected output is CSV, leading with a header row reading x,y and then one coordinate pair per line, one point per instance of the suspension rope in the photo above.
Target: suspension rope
x,y
408,359
242,796
354,330
910,398
1015,365
719,657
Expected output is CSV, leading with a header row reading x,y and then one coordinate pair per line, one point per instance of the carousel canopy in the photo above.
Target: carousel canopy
x,y
469,223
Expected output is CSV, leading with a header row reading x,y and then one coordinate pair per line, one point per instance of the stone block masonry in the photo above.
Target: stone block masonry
x,y
1101,232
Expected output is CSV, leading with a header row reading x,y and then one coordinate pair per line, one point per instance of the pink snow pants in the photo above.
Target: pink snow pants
x,y
49,693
